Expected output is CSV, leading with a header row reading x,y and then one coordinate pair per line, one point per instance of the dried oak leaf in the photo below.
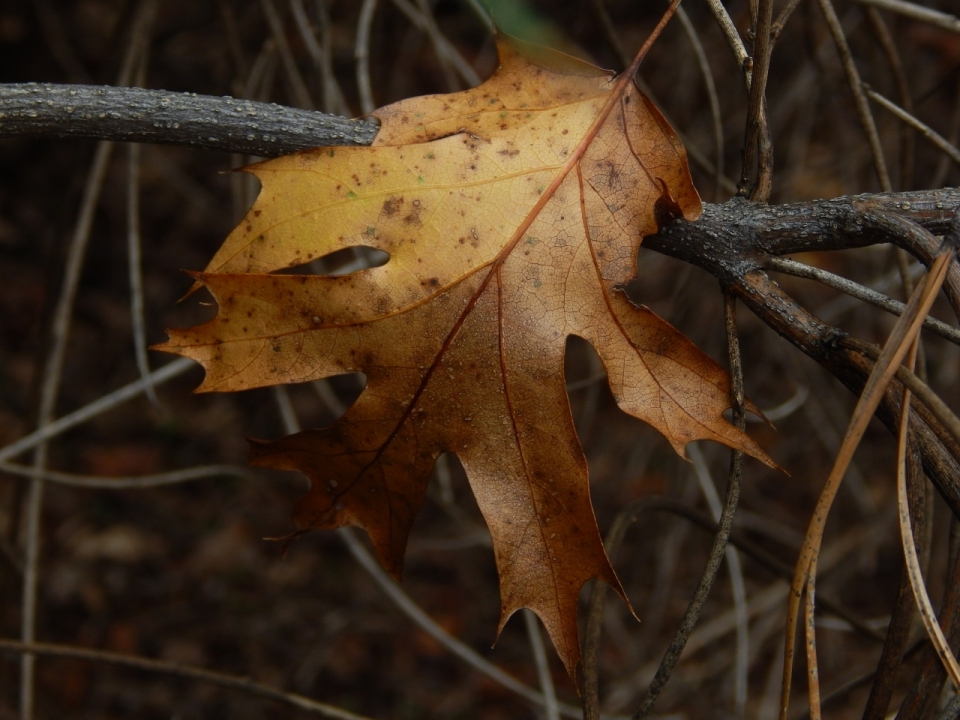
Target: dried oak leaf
x,y
503,240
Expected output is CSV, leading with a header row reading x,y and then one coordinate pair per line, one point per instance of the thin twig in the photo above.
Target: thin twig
x,y
918,12
901,617
361,54
613,37
173,477
756,145
591,635
763,603
298,88
445,50
810,632
953,136
332,100
532,623
134,254
97,407
914,572
483,13
737,586
781,20
890,49
692,614
930,675
428,625
925,130
233,682
134,263
716,628
784,409
52,375
732,36
859,97
288,416
707,73
906,142
894,307
938,408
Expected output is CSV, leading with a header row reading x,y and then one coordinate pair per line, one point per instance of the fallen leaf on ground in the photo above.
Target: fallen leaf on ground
x,y
503,241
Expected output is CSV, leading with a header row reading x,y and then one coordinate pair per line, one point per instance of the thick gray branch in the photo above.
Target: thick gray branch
x,y
158,116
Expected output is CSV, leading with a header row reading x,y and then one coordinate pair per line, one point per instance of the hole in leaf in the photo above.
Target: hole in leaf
x,y
452,520
337,394
586,383
342,262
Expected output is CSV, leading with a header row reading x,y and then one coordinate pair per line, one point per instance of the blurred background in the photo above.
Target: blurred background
x,y
181,570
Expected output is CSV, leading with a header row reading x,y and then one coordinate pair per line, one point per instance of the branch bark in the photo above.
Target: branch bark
x,y
168,118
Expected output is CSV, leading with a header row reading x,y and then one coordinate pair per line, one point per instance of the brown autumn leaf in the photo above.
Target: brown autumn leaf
x,y
503,240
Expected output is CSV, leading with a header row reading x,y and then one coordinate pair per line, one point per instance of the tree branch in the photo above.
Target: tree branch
x,y
159,116
735,241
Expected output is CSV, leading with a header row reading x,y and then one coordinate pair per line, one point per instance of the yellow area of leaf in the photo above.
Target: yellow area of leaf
x,y
501,247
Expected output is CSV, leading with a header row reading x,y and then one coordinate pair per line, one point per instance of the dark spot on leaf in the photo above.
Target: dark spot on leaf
x,y
391,205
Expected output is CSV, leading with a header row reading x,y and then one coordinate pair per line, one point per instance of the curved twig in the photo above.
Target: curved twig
x,y
234,682
197,472
859,97
711,87
757,147
97,407
361,54
734,41
928,132
890,49
918,12
443,47
894,307
737,585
